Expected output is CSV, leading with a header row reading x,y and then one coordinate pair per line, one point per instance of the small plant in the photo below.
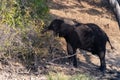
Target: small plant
x,y
57,76
62,76
81,77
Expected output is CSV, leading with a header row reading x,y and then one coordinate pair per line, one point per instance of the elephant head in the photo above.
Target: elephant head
x,y
59,27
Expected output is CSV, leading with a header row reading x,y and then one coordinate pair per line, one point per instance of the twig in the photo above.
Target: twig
x,y
63,57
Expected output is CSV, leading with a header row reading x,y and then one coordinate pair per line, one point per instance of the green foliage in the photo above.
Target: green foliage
x,y
62,76
23,13
81,77
57,76
20,24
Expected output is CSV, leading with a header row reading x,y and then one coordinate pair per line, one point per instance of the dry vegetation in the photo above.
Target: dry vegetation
x,y
30,56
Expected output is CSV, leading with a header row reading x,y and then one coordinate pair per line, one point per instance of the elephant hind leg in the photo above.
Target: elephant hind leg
x,y
102,61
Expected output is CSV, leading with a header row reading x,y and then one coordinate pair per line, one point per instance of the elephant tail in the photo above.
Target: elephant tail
x,y
110,43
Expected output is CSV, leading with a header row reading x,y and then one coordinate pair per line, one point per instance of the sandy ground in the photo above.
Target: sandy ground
x,y
84,12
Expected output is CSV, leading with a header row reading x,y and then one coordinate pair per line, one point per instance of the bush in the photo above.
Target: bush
x,y
21,23
23,13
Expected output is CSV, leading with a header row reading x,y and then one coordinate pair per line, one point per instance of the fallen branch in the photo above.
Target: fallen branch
x,y
63,57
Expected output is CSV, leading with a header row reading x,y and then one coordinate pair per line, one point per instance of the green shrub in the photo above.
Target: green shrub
x,y
62,76
81,77
57,76
20,24
23,13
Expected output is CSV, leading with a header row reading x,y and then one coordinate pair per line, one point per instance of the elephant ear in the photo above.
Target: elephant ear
x,y
56,24
65,29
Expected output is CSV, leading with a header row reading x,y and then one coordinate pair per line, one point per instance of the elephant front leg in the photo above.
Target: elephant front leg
x,y
74,61
71,53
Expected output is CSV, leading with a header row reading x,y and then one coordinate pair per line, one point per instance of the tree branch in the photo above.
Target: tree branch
x,y
116,9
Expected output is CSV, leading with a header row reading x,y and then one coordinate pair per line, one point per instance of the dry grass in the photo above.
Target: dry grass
x,y
30,57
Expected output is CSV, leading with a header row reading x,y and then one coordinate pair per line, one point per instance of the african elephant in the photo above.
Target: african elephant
x,y
89,37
